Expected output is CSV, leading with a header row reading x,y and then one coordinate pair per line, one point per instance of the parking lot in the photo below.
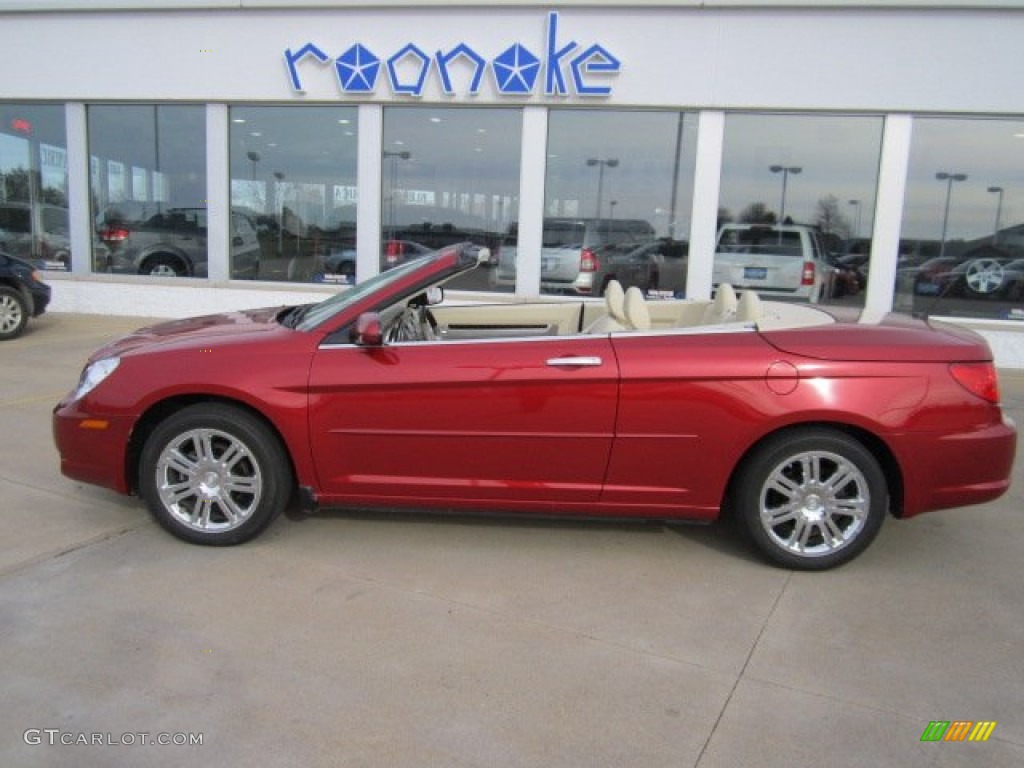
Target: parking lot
x,y
365,639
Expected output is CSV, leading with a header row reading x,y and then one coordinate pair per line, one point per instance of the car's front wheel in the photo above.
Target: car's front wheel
x,y
214,474
811,499
13,313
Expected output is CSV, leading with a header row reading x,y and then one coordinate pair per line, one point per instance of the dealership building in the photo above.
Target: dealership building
x,y
178,157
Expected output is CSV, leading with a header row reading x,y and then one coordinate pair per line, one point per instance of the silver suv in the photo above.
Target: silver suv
x,y
152,239
575,253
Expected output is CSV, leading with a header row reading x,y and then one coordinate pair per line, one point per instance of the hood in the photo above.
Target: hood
x,y
210,330
892,338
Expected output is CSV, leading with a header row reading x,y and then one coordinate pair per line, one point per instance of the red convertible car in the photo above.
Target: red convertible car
x,y
809,426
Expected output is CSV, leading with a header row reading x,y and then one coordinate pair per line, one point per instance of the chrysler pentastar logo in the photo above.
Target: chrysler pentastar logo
x,y
567,68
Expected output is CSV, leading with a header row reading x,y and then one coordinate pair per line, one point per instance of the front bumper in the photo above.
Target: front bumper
x,y
93,448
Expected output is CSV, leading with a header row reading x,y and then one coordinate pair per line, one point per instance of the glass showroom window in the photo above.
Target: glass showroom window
x,y
797,204
34,185
293,192
618,196
449,175
962,239
148,181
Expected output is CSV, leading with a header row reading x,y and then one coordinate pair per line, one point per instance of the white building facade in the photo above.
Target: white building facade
x,y
175,158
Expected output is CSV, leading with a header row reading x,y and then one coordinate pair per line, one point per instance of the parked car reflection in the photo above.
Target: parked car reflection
x,y
153,239
39,234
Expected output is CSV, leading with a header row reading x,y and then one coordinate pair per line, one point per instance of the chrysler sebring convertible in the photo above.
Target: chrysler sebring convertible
x,y
807,424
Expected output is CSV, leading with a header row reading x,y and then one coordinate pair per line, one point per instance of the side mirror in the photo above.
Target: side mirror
x,y
367,331
434,295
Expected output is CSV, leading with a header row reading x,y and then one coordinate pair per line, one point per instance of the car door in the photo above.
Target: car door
x,y
689,405
521,420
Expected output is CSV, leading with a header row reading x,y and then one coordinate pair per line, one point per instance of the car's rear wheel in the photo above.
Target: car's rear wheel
x,y
164,266
811,499
214,474
13,313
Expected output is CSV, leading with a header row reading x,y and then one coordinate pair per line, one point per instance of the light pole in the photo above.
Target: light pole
x,y
279,193
856,218
949,178
254,157
785,170
999,212
610,162
394,157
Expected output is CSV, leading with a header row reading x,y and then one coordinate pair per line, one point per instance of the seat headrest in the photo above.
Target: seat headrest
x,y
638,316
748,308
723,308
614,300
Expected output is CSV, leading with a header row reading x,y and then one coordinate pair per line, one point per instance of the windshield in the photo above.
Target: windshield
x,y
325,310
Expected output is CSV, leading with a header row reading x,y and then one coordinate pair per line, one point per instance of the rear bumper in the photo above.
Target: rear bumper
x,y
958,470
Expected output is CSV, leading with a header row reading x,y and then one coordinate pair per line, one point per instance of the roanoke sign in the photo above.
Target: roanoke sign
x,y
563,68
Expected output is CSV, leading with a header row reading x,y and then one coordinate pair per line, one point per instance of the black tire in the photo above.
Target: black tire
x,y
214,474
811,499
14,313
163,265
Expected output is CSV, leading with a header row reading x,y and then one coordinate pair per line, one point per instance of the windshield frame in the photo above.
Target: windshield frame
x,y
329,308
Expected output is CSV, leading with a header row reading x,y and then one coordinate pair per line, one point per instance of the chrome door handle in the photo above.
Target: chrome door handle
x,y
574,362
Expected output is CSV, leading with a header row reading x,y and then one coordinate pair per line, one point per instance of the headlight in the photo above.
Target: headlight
x,y
94,374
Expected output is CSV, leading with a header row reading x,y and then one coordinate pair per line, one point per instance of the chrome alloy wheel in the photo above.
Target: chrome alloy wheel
x,y
12,314
985,276
814,503
208,480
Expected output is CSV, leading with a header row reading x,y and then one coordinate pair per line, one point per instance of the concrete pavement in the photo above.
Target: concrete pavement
x,y
408,641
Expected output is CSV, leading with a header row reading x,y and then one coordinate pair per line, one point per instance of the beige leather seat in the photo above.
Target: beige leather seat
x,y
614,304
748,308
638,316
723,308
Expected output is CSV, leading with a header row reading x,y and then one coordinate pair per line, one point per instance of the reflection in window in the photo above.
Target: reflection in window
x,y
293,192
148,183
803,178
449,176
962,246
34,185
618,196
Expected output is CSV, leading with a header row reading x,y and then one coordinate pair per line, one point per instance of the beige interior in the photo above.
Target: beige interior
x,y
566,318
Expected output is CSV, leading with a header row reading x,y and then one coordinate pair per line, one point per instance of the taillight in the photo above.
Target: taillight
x,y
977,378
114,234
589,261
807,278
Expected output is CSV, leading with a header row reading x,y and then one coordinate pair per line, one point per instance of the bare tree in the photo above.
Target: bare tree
x,y
757,213
829,220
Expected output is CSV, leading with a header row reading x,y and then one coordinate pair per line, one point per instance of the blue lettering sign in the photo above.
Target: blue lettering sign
x,y
358,69
291,59
409,53
568,69
461,51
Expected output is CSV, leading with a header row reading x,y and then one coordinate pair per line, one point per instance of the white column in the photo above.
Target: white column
x,y
885,239
218,194
79,210
533,157
704,216
369,183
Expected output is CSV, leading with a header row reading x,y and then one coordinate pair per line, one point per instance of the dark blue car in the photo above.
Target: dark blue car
x,y
22,295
